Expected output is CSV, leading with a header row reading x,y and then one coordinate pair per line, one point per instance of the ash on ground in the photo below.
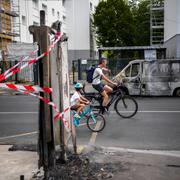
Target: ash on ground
x,y
82,167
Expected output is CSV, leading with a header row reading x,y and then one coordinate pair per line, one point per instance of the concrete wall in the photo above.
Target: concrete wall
x,y
173,47
171,18
78,28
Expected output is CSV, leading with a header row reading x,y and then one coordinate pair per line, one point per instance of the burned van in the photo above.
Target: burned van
x,y
154,78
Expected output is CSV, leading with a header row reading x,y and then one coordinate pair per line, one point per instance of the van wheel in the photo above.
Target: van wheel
x,y
177,92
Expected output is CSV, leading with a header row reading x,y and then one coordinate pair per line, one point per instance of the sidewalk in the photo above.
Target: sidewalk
x,y
107,163
16,163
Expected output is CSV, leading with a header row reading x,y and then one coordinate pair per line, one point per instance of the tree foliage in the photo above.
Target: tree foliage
x,y
114,23
118,23
141,14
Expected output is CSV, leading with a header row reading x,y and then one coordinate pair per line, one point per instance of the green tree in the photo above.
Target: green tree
x,y
114,25
120,24
141,16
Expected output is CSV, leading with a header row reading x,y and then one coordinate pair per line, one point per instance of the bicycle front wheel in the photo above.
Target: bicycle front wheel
x,y
126,106
97,123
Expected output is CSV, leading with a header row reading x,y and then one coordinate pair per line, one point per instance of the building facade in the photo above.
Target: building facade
x,y
29,15
82,44
9,16
172,28
171,19
156,22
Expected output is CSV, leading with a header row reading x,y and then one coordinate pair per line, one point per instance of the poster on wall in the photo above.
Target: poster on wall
x,y
150,54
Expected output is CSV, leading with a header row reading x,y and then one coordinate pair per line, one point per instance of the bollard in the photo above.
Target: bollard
x,y
21,177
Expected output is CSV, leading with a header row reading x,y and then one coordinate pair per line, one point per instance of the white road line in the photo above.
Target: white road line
x,y
149,111
18,112
18,135
155,152
94,134
159,111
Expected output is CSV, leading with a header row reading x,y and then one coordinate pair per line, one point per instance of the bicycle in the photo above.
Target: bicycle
x,y
95,122
124,105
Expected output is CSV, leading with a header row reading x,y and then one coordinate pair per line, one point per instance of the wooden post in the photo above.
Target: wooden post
x,y
61,101
46,136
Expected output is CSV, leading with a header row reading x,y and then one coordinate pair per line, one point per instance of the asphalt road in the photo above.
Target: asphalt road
x,y
156,126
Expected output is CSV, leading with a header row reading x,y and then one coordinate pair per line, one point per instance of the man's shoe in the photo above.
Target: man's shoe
x,y
105,110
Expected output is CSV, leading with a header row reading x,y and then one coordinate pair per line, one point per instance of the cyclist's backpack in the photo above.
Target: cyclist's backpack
x,y
90,73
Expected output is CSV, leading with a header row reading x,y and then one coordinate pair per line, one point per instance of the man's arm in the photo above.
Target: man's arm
x,y
108,80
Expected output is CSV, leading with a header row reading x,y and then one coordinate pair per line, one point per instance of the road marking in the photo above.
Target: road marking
x,y
159,111
148,111
18,112
154,152
94,134
18,135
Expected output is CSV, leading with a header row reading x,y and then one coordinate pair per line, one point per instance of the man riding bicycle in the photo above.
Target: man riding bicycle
x,y
103,89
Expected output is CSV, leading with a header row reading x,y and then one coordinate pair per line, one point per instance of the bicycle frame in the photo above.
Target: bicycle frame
x,y
87,113
114,96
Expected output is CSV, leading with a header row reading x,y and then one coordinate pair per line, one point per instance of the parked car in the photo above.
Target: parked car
x,y
152,77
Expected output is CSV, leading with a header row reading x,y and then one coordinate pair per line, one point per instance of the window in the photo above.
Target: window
x,y
91,6
53,11
175,68
35,4
63,2
132,70
64,18
35,23
58,15
23,20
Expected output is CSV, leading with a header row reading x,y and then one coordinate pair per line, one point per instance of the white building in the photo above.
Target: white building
x,y
81,42
30,15
171,18
75,16
172,28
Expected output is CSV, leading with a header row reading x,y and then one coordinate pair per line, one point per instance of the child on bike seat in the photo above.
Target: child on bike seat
x,y
78,102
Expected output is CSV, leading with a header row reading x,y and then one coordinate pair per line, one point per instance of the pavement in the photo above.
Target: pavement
x,y
129,164
13,164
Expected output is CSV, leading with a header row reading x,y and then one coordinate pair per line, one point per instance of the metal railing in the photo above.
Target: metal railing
x,y
24,76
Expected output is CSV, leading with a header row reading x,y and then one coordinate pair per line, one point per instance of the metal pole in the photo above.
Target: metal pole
x,y
79,70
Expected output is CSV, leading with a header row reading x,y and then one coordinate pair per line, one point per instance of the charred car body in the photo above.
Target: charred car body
x,y
152,77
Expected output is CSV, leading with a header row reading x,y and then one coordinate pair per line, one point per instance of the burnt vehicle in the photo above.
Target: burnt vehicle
x,y
152,77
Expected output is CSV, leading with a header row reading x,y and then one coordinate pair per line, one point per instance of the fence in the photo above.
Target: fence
x,y
25,76
79,67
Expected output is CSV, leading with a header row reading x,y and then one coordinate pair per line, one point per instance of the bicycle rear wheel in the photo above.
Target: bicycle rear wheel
x,y
97,123
126,106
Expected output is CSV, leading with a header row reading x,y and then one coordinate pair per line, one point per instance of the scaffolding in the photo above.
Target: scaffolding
x,y
9,22
157,22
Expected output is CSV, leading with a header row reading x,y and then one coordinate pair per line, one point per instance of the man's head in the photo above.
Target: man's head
x,y
103,62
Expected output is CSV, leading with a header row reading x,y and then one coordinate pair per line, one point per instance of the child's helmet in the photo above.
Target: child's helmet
x,y
78,86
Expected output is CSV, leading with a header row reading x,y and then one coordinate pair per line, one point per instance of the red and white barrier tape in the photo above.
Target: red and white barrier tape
x,y
47,101
3,77
26,87
21,60
8,73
